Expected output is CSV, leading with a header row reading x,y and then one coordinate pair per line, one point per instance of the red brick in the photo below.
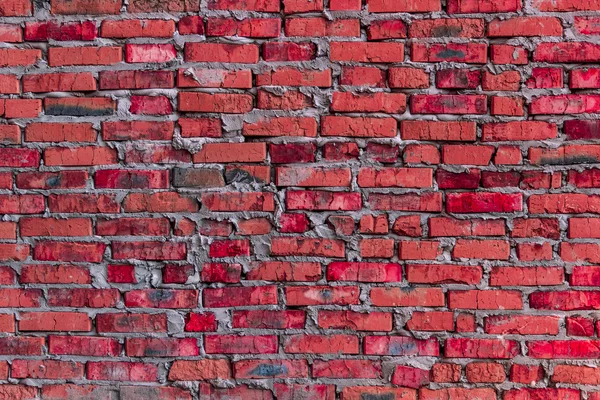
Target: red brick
x,y
159,202
318,27
216,52
448,104
122,371
247,5
282,126
123,323
239,202
320,295
55,321
191,25
432,321
11,33
162,298
579,326
66,31
395,177
347,369
137,28
172,6
344,5
164,347
566,349
457,79
185,370
317,344
407,77
287,391
264,319
485,300
288,51
485,373
16,8
261,369
322,200
19,57
236,296
366,52
445,373
69,251
59,82
214,78
525,26
66,56
290,100
9,84
121,273
85,7
361,392
564,104
549,78
400,346
526,374
47,369
242,391
586,25
486,6
447,27
84,346
375,321
507,54
217,102
566,52
137,79
521,325
519,130
483,202
417,297
564,300
504,105
438,130
575,374
481,348
394,103
55,227
379,6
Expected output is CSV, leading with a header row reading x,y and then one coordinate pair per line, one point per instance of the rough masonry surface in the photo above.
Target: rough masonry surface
x,y
299,199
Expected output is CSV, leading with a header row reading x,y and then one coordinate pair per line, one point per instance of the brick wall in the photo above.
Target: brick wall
x,y
299,199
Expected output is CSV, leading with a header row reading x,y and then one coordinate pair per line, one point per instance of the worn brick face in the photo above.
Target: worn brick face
x,y
299,199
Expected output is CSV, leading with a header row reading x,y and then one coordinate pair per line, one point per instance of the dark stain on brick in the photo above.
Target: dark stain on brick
x,y
151,352
78,111
326,294
202,178
462,78
583,159
449,53
399,349
374,396
240,176
53,181
446,31
480,105
134,181
269,370
158,295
